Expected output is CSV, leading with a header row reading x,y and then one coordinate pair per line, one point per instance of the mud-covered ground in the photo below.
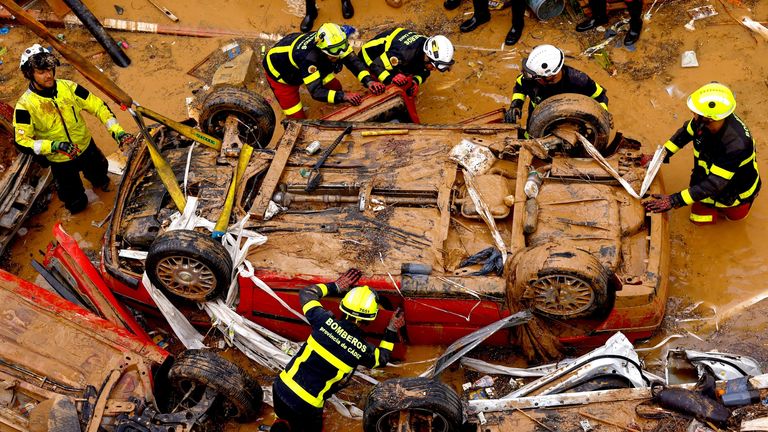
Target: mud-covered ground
x,y
722,266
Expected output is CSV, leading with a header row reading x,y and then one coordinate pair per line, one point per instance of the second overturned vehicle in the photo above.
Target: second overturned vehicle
x,y
386,198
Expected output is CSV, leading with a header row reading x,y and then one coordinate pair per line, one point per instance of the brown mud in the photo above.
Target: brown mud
x,y
723,265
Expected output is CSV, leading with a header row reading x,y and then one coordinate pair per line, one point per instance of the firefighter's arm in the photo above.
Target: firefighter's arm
x,y
599,94
315,87
379,356
518,92
683,136
94,105
354,64
24,132
421,76
720,174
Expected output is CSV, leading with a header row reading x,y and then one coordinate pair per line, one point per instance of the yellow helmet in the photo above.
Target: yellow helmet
x,y
332,40
361,303
714,101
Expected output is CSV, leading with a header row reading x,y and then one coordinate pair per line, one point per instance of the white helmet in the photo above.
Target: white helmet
x,y
439,50
29,52
544,61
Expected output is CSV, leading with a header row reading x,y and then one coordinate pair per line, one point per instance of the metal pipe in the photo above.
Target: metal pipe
x,y
97,30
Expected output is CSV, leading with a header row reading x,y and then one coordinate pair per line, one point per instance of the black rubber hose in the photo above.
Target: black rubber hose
x,y
99,32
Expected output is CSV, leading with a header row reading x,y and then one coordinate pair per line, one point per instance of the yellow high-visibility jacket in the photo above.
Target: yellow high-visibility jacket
x,y
39,120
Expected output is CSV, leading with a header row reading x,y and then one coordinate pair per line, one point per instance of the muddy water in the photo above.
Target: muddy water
x,y
721,265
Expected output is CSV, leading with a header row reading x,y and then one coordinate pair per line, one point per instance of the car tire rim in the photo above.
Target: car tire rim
x,y
421,420
562,295
186,276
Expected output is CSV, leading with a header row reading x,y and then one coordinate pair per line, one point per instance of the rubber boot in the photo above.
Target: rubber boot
x,y
347,11
599,16
481,16
309,17
451,4
635,22
518,22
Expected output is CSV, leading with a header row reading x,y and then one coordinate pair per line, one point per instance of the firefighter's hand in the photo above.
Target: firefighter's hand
x,y
125,139
512,115
376,87
397,321
662,203
348,280
65,147
353,98
413,89
400,80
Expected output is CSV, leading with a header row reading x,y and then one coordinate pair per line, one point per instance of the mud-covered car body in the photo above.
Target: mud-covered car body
x,y
391,203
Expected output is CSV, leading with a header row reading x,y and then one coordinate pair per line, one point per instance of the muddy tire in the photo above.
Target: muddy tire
x,y
255,115
566,283
239,395
427,402
189,264
573,110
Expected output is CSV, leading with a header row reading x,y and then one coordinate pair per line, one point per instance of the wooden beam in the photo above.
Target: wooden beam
x,y
272,178
59,7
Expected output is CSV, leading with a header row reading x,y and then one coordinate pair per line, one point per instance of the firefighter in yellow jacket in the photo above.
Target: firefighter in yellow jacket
x,y
48,123
332,352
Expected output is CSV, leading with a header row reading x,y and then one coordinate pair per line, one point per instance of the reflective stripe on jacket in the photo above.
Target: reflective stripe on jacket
x,y
725,170
332,352
296,60
38,120
396,51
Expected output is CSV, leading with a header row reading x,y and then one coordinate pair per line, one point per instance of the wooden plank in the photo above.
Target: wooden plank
x,y
518,238
272,178
444,205
59,7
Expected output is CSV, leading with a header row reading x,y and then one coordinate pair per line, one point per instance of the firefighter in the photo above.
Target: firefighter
x,y
724,180
314,59
49,124
545,75
600,17
405,58
347,11
482,15
335,347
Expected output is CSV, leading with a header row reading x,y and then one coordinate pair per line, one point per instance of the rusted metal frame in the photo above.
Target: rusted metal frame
x,y
98,412
272,178
444,194
517,237
38,391
491,129
13,419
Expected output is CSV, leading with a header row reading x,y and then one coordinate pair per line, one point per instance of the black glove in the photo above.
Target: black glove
x,y
376,87
663,203
65,147
124,139
397,321
348,280
412,89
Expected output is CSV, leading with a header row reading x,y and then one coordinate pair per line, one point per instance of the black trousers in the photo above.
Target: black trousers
x,y
635,8
307,419
66,175
518,11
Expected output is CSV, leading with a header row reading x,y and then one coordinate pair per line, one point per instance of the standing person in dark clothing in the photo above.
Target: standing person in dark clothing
x,y
347,11
332,352
600,17
48,122
405,58
314,59
545,75
482,15
725,180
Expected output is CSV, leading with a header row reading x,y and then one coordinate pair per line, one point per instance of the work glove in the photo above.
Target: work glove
x,y
124,139
663,203
353,98
376,87
348,280
400,80
66,148
413,89
512,115
397,321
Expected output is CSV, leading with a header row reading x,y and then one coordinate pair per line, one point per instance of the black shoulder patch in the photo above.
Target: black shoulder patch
x,y
81,92
22,116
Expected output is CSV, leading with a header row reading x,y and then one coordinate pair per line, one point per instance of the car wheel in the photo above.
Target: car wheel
x,y
189,264
572,112
255,116
423,403
194,371
565,283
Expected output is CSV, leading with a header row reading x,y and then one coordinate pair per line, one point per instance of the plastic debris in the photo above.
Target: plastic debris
x,y
755,27
231,50
689,59
4,30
